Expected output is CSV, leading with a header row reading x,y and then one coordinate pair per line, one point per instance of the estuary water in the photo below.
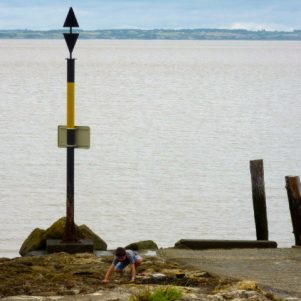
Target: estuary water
x,y
174,125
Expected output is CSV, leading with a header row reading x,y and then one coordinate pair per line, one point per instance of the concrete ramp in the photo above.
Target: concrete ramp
x,y
276,269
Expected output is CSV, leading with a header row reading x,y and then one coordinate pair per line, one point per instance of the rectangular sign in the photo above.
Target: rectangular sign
x,y
82,136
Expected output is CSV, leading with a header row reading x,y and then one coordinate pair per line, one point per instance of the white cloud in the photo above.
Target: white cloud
x,y
260,26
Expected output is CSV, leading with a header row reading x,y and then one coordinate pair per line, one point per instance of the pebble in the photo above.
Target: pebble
x,y
158,276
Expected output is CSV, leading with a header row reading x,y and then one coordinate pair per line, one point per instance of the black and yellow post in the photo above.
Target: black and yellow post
x,y
70,38
71,137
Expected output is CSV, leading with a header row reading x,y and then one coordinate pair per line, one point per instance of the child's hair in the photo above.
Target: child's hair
x,y
120,252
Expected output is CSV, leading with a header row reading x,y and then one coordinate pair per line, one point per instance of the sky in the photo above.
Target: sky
x,y
149,14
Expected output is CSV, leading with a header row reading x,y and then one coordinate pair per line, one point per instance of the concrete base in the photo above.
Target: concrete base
x,y
57,245
201,244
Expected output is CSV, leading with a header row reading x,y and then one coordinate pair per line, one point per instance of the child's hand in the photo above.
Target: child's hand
x,y
105,281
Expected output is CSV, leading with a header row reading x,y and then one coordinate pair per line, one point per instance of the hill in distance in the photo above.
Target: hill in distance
x,y
157,34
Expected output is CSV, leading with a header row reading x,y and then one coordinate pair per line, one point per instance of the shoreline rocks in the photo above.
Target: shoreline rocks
x,y
36,241
61,276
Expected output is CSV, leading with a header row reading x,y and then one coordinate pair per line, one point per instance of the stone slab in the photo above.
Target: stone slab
x,y
57,245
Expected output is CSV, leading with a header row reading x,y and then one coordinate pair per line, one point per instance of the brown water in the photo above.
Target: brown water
x,y
173,127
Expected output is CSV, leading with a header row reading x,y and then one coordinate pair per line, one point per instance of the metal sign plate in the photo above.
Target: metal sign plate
x,y
82,136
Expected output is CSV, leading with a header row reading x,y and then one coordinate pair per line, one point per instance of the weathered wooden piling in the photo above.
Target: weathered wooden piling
x,y
202,244
293,188
259,199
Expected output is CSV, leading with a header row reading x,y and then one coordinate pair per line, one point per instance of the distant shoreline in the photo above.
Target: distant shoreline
x,y
159,34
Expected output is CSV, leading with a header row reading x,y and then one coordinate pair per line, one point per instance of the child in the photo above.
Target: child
x,y
122,259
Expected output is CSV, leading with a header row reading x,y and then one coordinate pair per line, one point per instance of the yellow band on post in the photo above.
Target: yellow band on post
x,y
70,105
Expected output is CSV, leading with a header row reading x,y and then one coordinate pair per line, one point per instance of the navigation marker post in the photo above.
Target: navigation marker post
x,y
70,38
71,137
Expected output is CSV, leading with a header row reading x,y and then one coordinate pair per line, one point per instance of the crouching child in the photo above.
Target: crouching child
x,y
122,259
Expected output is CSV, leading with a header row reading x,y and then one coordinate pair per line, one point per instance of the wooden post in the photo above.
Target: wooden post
x,y
259,200
294,199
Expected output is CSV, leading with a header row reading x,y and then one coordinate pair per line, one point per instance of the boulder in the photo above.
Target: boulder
x,y
57,229
86,232
142,245
33,242
38,237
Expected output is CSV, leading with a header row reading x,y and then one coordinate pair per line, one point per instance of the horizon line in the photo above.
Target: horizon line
x,y
152,29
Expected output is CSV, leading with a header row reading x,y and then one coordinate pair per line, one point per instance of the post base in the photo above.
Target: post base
x,y
81,246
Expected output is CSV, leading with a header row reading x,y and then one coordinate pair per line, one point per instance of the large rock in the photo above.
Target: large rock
x,y
38,237
86,232
142,245
33,242
57,229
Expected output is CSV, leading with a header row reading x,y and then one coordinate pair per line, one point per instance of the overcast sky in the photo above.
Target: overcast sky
x,y
149,14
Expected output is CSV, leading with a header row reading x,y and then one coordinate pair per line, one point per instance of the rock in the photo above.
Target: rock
x,y
77,277
86,232
158,276
33,242
56,230
4,259
143,245
247,285
202,274
37,239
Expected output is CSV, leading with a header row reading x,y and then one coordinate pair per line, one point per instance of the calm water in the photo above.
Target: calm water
x,y
173,127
